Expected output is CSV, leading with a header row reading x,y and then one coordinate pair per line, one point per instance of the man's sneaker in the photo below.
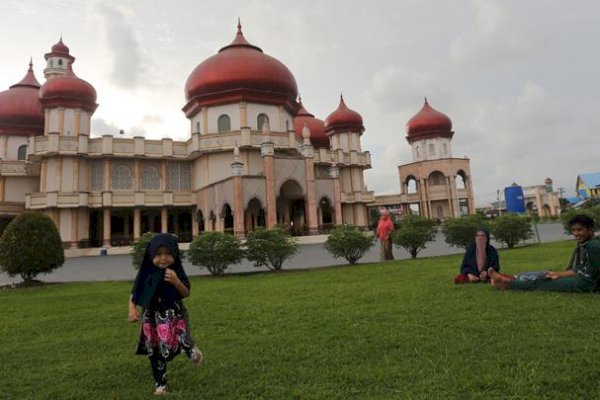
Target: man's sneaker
x,y
196,356
161,390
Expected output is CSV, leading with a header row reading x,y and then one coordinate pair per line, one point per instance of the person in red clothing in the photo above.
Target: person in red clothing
x,y
385,226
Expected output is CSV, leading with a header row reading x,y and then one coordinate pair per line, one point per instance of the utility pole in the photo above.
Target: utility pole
x,y
498,202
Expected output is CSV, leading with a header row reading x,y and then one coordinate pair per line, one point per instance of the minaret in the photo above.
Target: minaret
x,y
58,60
429,133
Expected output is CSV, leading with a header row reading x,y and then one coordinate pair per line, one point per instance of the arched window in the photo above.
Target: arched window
x,y
122,178
418,149
60,62
150,178
22,152
431,149
224,123
197,127
445,149
436,178
260,120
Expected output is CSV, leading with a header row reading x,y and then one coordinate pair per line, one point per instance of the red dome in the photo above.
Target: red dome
x,y
60,50
316,126
344,119
242,69
68,90
428,123
20,109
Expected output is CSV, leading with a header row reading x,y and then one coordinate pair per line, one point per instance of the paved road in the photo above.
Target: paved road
x,y
119,268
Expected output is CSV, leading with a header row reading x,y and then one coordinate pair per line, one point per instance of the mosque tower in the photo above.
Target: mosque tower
x,y
435,183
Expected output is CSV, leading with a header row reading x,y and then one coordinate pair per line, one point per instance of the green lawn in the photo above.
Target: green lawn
x,y
400,330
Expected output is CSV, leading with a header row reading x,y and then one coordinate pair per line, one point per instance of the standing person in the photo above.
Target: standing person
x,y
582,273
479,257
159,288
385,226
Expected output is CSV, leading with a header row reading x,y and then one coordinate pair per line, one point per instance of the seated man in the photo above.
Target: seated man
x,y
582,273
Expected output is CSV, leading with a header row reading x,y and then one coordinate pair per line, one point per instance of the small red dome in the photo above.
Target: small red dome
x,y
241,68
68,90
60,50
316,126
344,119
428,123
20,108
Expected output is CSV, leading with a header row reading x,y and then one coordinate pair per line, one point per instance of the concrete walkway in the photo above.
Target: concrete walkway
x,y
116,266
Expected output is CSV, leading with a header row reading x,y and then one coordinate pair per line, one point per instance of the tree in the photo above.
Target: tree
x,y
139,249
348,242
460,232
215,251
511,229
414,233
270,247
31,245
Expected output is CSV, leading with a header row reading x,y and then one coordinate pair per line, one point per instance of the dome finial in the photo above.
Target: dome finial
x,y
30,63
426,100
239,32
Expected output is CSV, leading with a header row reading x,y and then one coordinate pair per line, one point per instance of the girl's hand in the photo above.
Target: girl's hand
x,y
171,276
552,275
473,278
133,315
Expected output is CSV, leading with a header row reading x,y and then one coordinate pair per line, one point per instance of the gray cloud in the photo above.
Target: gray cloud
x,y
122,45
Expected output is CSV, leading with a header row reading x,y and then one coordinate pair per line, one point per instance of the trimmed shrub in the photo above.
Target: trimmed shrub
x,y
31,245
592,212
215,251
511,229
139,248
460,232
270,247
348,242
414,233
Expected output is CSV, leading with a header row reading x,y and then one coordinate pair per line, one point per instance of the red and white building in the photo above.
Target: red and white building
x,y
254,157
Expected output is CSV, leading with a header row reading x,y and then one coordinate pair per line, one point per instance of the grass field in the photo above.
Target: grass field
x,y
399,330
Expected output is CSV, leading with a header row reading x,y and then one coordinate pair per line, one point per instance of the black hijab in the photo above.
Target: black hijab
x,y
151,278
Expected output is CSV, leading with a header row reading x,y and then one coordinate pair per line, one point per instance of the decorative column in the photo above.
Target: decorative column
x,y
58,173
310,209
136,176
334,172
164,220
267,151
163,175
43,175
2,187
74,227
75,175
421,189
106,227
137,224
238,194
449,196
539,204
470,194
107,177
195,229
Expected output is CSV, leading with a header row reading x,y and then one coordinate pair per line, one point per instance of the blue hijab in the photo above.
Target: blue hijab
x,y
150,279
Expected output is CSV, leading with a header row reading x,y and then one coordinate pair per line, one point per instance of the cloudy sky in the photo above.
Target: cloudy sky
x,y
520,79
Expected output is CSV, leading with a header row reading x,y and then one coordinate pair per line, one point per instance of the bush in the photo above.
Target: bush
x,y
31,245
215,251
460,232
511,229
593,212
270,247
348,242
139,248
414,233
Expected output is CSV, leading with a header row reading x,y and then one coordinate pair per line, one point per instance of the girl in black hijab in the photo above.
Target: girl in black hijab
x,y
159,288
480,256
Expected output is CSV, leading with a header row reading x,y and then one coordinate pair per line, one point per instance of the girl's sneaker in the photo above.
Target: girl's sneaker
x,y
161,390
196,356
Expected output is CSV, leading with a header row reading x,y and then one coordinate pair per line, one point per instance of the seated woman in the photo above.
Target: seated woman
x,y
582,273
479,257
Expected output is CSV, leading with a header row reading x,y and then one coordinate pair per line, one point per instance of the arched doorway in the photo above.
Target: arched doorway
x,y
227,216
254,216
290,208
325,215
200,220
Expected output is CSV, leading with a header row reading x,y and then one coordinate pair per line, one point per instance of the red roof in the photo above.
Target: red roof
x,y
242,70
68,90
427,123
344,119
60,50
316,126
20,108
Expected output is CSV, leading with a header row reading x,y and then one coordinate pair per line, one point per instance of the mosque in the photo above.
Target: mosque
x,y
254,157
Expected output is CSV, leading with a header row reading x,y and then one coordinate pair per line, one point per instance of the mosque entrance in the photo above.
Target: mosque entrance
x,y
254,216
290,208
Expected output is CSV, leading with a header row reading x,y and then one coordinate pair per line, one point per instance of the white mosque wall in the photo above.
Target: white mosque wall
x,y
65,225
431,149
66,178
220,166
16,187
9,152
213,114
254,163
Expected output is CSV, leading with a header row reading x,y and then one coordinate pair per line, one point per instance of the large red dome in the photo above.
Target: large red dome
x,y
20,108
428,123
242,71
316,126
343,119
68,90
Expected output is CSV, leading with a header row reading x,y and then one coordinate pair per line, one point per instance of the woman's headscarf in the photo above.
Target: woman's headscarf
x,y
150,277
